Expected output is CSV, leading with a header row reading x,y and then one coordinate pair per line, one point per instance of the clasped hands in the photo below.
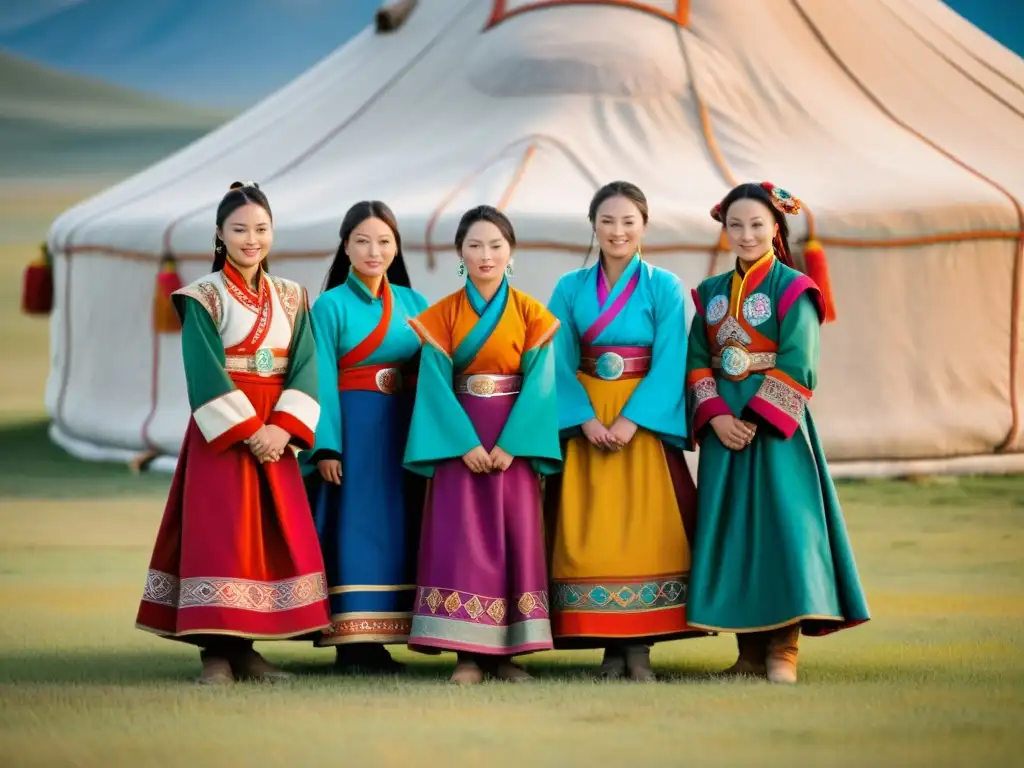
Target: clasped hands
x,y
735,434
613,438
480,461
268,443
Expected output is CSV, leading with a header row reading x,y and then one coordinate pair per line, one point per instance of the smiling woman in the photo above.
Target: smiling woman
x,y
236,558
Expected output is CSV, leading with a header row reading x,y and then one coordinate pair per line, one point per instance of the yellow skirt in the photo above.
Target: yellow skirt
x,y
620,556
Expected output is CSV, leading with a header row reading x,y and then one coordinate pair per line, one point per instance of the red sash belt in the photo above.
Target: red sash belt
x,y
386,378
613,363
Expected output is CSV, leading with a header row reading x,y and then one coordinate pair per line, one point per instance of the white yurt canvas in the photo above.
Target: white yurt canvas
x,y
895,121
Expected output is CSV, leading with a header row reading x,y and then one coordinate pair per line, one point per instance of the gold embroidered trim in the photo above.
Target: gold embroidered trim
x,y
291,296
208,296
782,396
250,364
243,594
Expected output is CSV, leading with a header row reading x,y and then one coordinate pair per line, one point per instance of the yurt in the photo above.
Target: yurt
x,y
896,122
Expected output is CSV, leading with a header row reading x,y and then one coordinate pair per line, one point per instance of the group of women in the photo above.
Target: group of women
x,y
492,476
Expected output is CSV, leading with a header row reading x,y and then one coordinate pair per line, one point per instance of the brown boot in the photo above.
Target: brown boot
x,y
638,663
467,671
216,669
509,671
751,661
613,666
782,655
249,665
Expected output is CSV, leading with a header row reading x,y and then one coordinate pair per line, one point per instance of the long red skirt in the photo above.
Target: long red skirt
x,y
237,552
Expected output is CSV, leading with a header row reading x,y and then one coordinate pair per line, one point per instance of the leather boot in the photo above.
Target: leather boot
x,y
216,669
467,671
638,663
366,659
613,666
506,669
247,664
782,654
753,647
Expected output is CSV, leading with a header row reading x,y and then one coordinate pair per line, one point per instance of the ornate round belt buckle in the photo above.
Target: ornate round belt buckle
x,y
388,380
735,361
482,386
264,361
610,366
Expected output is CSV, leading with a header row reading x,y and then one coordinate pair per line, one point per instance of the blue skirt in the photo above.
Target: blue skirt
x,y
369,525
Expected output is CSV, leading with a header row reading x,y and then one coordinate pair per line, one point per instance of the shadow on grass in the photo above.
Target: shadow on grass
x,y
35,468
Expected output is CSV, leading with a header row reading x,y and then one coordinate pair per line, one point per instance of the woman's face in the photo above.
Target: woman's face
x,y
372,247
247,235
750,228
619,227
486,252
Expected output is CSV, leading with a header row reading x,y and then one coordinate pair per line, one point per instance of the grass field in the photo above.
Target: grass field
x,y
936,679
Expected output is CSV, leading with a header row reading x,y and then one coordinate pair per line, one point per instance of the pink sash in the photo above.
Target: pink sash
x,y
613,310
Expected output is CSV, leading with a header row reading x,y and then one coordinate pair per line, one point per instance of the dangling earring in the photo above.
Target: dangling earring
x,y
219,250
509,269
462,268
639,250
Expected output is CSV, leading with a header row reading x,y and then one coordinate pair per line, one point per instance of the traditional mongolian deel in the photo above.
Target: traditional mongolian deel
x,y
621,544
771,548
369,526
237,553
487,377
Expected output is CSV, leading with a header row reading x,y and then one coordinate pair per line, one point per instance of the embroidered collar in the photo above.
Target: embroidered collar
x,y
240,288
744,284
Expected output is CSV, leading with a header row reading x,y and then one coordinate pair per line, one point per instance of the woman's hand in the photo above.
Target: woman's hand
x,y
622,431
599,435
259,443
500,459
734,433
330,470
478,460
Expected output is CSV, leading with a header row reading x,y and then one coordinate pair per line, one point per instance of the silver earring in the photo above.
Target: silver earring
x,y
462,268
219,249
509,269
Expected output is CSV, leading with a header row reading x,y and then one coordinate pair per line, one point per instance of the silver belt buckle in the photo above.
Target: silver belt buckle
x,y
481,385
388,380
735,361
610,366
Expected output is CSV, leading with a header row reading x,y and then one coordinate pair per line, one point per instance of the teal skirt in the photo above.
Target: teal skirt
x,y
771,547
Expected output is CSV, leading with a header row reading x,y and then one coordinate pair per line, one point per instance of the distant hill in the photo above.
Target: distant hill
x,y
52,123
225,54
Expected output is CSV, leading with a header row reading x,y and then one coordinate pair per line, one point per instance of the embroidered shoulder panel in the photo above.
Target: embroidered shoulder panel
x,y
291,296
207,293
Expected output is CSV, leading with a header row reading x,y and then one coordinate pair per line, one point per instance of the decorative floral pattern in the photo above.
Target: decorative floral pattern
x,y
731,330
782,396
717,309
619,597
757,308
703,390
478,608
291,296
243,594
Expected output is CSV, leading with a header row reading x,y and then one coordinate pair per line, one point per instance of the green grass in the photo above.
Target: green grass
x,y
937,678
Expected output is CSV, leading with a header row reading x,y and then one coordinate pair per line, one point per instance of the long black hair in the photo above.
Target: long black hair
x,y
612,189
484,213
356,215
239,194
752,191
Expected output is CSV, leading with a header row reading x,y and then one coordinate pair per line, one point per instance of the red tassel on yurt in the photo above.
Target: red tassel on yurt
x,y
816,268
37,290
165,316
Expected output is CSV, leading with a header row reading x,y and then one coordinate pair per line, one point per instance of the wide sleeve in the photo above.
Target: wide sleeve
x,y
222,412
440,428
328,324
703,400
531,431
658,404
574,407
782,397
297,410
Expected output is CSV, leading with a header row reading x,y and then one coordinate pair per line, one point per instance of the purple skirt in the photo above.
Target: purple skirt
x,y
482,579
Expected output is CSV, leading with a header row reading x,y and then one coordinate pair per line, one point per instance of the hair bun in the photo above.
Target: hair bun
x,y
242,185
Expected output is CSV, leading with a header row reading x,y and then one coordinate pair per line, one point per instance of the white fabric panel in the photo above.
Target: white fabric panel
x,y
301,406
439,115
218,416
